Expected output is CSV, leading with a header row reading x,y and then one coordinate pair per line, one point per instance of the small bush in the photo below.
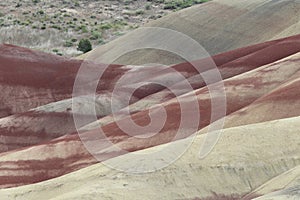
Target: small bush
x,y
41,12
84,29
56,27
68,43
76,3
36,1
106,26
180,4
139,12
84,45
148,6
95,35
127,2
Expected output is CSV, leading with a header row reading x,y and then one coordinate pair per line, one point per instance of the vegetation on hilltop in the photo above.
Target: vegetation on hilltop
x,y
58,26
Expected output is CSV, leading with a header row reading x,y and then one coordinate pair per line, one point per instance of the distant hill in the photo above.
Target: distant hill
x,y
218,25
58,26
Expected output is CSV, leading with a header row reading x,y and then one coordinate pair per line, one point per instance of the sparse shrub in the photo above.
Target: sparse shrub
x,y
68,43
41,12
139,12
106,26
180,4
76,3
101,41
148,6
56,27
84,45
127,2
95,35
36,1
83,29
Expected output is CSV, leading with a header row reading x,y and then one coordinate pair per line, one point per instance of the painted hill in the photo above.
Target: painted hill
x,y
53,120
219,127
262,102
254,154
219,26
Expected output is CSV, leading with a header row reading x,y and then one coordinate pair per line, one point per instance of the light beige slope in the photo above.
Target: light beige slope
x,y
244,158
292,193
219,26
285,181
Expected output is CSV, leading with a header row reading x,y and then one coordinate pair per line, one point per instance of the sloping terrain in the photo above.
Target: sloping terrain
x,y
57,27
56,119
218,25
254,154
262,107
286,185
209,128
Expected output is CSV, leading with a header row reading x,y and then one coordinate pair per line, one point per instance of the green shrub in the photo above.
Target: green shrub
x,y
84,45
76,3
139,12
106,26
56,27
36,1
180,4
68,43
148,6
41,12
84,29
127,2
101,41
95,35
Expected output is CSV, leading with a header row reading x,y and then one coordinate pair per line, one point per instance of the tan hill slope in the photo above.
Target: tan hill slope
x,y
254,154
66,154
219,26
